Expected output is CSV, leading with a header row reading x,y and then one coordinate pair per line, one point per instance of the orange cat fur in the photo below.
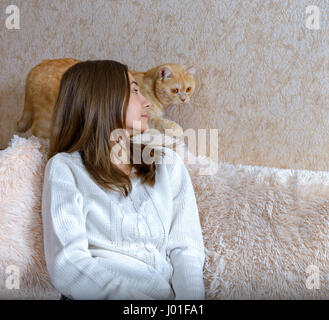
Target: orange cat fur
x,y
158,85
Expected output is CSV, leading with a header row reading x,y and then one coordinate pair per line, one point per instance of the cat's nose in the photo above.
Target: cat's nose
x,y
183,100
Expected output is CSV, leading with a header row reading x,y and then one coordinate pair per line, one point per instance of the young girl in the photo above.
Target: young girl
x,y
116,229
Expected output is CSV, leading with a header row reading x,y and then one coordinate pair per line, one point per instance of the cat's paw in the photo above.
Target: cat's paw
x,y
174,132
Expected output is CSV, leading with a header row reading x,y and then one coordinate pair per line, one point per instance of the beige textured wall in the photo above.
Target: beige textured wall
x,y
262,81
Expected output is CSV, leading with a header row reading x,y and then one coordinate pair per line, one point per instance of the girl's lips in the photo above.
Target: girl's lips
x,y
144,116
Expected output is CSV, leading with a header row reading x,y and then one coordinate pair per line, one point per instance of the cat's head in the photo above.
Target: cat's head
x,y
174,84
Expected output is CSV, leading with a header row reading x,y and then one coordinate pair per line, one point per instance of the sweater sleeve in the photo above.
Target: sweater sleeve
x,y
72,269
185,243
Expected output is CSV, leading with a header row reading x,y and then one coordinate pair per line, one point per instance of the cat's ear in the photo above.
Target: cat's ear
x,y
164,73
191,70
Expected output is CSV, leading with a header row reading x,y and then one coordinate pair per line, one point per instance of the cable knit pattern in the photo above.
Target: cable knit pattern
x,y
102,245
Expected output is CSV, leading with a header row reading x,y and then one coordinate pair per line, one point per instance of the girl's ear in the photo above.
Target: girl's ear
x,y
164,73
191,70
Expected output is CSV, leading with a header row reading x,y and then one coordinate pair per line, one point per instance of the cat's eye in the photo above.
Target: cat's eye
x,y
174,91
188,89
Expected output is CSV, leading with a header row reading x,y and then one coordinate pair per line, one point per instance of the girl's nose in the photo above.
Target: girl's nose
x,y
147,104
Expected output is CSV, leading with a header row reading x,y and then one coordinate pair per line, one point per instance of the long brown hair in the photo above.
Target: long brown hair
x,y
92,102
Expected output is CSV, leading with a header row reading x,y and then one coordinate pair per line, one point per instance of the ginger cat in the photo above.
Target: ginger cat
x,y
162,86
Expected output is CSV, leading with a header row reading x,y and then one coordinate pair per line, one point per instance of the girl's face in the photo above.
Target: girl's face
x,y
136,117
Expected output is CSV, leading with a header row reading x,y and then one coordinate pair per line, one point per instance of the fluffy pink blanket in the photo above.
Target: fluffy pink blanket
x,y
266,230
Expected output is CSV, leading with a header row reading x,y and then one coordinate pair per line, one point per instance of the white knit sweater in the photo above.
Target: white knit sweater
x,y
100,245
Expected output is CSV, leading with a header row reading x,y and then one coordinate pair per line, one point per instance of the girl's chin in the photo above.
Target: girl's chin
x,y
137,131
145,129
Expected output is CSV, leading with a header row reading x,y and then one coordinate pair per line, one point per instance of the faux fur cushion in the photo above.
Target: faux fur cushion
x,y
21,239
266,230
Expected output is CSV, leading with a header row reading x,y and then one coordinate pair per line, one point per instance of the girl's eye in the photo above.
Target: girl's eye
x,y
188,89
135,91
174,91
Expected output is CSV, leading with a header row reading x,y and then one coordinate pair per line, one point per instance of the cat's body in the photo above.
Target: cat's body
x,y
41,90
158,85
